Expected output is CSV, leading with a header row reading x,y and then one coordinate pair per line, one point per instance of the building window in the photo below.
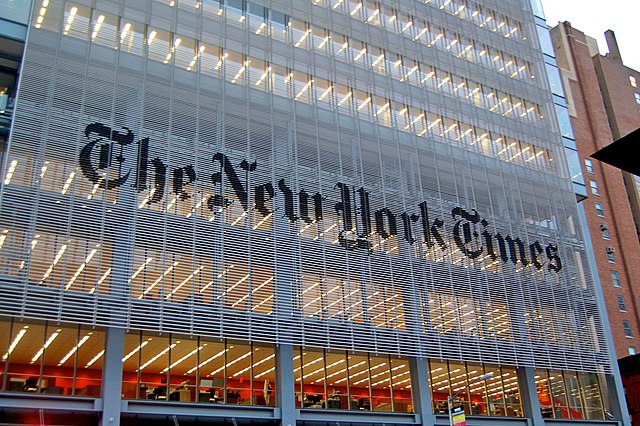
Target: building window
x,y
627,329
632,350
349,381
621,304
166,368
599,209
588,164
594,187
615,278
632,81
559,395
498,395
605,231
64,365
611,257
637,95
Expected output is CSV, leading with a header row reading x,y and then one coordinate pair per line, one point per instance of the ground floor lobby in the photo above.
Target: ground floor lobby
x,y
66,374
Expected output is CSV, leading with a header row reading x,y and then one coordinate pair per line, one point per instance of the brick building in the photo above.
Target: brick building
x,y
610,214
620,88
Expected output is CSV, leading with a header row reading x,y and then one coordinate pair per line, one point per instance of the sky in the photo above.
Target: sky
x,y
594,17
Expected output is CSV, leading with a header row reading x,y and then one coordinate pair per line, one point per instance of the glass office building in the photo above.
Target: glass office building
x,y
293,212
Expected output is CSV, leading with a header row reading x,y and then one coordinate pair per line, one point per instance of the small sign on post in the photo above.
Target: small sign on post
x,y
457,416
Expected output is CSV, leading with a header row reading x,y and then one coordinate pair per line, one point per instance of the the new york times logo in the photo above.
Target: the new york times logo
x,y
109,149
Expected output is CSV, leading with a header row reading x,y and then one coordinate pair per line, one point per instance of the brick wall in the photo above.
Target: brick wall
x,y
591,110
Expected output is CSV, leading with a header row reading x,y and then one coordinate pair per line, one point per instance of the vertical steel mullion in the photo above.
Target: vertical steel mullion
x,y
301,379
446,363
197,383
324,379
346,355
5,376
391,389
224,371
44,353
486,391
251,386
169,368
369,376
139,378
467,386
75,358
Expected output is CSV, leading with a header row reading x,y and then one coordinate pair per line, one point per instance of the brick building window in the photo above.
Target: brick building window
x,y
637,95
627,329
611,256
632,350
621,305
594,187
632,81
588,165
615,278
605,231
599,209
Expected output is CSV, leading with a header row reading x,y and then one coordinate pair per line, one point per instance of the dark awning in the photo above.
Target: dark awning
x,y
623,153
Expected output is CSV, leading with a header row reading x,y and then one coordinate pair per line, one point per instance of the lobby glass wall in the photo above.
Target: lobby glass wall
x,y
347,381
497,396
569,395
192,369
48,358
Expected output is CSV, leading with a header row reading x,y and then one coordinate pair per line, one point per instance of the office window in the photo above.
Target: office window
x,y
574,399
348,381
621,304
611,257
594,187
559,395
605,231
192,369
498,395
104,29
588,164
599,209
590,388
632,350
615,278
627,329
67,361
632,81
372,13
637,95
